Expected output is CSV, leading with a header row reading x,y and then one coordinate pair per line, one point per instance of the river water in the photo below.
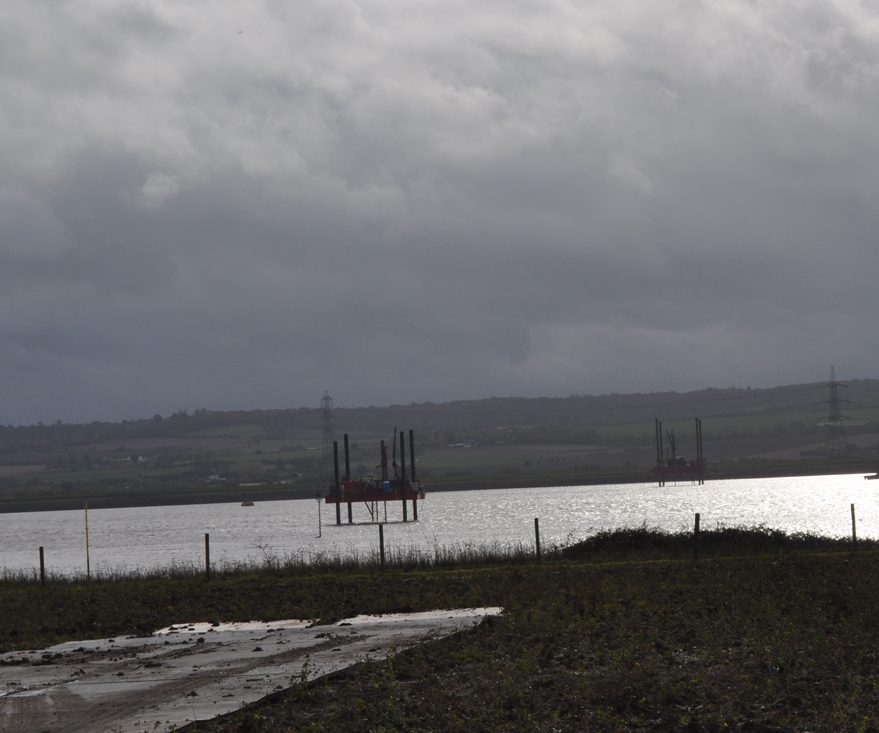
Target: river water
x,y
148,538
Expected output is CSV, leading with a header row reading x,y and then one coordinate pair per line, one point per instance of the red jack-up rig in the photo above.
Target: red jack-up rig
x,y
373,492
675,466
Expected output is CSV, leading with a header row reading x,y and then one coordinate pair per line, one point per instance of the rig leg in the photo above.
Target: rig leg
x,y
350,518
415,510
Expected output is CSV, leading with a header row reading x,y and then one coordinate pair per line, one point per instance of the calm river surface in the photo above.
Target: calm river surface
x,y
141,538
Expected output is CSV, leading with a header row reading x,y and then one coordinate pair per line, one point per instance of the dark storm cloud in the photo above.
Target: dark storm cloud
x,y
242,204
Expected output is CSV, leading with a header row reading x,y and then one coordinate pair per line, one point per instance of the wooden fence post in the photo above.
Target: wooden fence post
x,y
88,562
537,536
696,538
854,530
42,567
207,556
381,543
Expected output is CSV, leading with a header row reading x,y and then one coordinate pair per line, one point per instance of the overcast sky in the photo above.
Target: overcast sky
x,y
242,203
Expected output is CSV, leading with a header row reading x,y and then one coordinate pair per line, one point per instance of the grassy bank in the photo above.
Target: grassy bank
x,y
622,633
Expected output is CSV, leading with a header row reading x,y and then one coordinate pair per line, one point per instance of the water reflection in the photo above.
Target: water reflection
x,y
150,537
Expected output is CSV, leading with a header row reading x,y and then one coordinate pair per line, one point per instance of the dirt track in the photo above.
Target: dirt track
x,y
193,671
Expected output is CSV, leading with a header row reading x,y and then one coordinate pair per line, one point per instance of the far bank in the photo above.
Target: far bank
x,y
200,494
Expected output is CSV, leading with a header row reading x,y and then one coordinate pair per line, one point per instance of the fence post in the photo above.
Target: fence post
x,y
854,530
88,563
207,556
537,536
381,543
696,538
42,567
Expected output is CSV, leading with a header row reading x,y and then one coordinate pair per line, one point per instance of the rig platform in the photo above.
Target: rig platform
x,y
375,493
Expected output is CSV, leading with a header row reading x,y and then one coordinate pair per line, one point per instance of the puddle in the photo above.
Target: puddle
x,y
195,671
203,627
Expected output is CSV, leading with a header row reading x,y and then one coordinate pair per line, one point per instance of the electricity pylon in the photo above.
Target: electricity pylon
x,y
835,442
329,436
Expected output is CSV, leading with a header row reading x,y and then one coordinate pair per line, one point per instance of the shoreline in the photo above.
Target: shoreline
x,y
236,495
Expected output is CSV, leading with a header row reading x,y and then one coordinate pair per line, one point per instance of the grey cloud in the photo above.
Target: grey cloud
x,y
240,205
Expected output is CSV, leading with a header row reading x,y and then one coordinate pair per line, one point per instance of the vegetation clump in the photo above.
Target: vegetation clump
x,y
644,542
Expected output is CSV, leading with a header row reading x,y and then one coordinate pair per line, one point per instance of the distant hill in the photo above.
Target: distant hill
x,y
496,441
798,408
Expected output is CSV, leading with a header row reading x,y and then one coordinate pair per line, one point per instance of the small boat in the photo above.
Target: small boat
x,y
247,502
